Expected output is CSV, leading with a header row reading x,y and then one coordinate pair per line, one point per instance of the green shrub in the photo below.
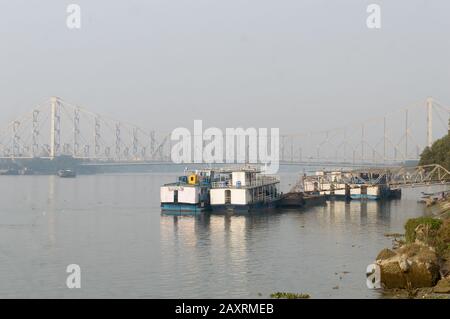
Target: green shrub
x,y
412,224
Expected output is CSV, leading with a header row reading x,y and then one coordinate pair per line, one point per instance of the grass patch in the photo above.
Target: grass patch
x,y
411,225
443,239
395,235
289,295
437,235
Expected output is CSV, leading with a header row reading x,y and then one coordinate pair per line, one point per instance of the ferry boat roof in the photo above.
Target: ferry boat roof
x,y
260,181
181,184
200,170
247,169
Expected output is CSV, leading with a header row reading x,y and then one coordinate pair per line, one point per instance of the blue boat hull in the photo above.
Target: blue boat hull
x,y
364,196
337,197
246,208
176,208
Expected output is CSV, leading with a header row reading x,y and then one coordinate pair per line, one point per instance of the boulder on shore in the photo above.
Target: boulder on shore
x,y
411,265
421,262
385,254
442,287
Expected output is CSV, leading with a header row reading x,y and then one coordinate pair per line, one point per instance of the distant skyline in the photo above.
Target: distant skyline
x,y
296,65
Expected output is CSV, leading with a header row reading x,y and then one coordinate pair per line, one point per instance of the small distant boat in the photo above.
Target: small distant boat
x,y
395,193
292,199
66,173
300,199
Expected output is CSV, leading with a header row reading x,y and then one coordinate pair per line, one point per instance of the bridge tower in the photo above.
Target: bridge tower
x,y
152,144
429,121
55,129
135,142
97,136
35,138
76,132
118,140
16,139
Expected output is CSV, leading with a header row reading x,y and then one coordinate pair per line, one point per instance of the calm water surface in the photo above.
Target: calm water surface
x,y
111,226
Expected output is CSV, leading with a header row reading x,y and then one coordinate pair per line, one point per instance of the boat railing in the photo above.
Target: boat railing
x,y
265,197
260,181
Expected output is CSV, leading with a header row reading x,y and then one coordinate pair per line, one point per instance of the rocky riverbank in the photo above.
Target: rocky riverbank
x,y
418,266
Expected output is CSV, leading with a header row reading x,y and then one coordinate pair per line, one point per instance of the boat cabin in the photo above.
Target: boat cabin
x,y
243,187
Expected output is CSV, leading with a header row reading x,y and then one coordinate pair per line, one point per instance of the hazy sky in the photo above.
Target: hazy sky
x,y
293,64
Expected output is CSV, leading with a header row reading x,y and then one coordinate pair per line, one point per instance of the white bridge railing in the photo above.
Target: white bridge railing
x,y
414,176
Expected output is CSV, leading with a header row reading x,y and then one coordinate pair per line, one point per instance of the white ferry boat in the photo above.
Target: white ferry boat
x,y
189,194
243,189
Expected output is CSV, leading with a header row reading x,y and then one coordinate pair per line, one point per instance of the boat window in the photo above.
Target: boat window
x,y
227,196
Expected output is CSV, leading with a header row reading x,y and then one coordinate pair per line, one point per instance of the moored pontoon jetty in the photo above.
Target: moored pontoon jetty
x,y
372,183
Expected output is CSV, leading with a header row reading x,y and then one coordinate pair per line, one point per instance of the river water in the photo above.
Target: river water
x,y
111,226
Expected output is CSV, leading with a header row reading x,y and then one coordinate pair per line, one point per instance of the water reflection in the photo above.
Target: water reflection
x,y
247,252
51,210
194,229
355,212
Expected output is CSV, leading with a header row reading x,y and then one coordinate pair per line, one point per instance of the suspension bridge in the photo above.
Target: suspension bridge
x,y
57,128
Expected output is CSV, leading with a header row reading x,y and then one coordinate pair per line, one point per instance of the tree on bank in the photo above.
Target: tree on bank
x,y
439,153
